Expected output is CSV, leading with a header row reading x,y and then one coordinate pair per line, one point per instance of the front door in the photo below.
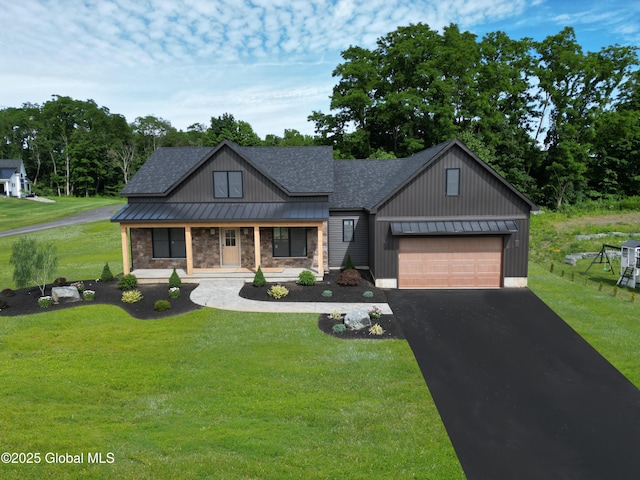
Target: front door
x,y
230,247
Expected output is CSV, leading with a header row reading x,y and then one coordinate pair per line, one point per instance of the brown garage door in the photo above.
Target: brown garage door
x,y
450,262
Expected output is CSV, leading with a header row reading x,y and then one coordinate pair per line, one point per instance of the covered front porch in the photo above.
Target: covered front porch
x,y
215,250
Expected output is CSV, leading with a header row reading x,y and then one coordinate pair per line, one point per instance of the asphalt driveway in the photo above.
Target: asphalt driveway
x,y
521,394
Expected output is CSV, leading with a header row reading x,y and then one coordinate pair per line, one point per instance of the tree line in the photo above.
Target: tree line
x,y
561,124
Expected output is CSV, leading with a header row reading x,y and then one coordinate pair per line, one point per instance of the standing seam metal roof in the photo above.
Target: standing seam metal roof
x,y
203,212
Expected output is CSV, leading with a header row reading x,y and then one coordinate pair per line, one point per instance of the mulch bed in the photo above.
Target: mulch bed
x,y
340,294
25,301
313,293
387,322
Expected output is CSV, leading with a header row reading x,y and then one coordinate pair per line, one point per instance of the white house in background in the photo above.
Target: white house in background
x,y
13,179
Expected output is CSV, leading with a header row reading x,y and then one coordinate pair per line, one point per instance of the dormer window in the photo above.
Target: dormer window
x,y
227,184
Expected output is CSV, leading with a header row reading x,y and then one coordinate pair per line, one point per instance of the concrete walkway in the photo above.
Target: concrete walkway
x,y
223,294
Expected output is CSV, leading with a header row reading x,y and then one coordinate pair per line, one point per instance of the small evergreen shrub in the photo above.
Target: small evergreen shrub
x,y
327,293
131,296
106,276
258,279
349,264
278,292
306,278
162,306
7,292
60,281
174,292
174,280
368,294
127,282
349,278
339,328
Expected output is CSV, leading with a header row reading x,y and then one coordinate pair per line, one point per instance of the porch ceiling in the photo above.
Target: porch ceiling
x,y
229,212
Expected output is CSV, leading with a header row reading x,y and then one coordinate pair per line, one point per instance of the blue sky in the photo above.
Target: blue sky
x,y
267,62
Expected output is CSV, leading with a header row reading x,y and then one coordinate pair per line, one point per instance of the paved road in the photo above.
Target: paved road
x,y
102,213
521,394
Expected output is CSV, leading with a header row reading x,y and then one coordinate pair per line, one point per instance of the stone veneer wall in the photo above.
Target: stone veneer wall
x,y
310,261
142,252
206,247
206,250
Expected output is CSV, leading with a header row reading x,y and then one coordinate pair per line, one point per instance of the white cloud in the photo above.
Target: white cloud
x,y
188,60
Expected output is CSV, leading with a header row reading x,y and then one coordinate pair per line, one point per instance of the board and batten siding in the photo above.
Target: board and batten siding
x,y
198,187
481,195
358,249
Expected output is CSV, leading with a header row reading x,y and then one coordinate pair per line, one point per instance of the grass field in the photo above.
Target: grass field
x,y
233,395
82,249
214,394
16,213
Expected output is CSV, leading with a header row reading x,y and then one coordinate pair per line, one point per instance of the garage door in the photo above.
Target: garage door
x,y
450,262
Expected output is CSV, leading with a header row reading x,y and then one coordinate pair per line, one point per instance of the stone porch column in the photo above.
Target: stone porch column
x,y
320,250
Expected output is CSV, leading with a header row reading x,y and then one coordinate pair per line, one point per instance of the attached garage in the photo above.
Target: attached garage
x,y
450,262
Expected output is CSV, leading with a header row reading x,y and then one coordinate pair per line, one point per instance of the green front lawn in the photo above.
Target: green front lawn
x,y
82,249
214,394
17,213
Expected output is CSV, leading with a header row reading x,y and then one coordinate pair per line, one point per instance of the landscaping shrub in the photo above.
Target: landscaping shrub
x,y
45,302
339,328
335,315
106,276
174,280
258,279
368,294
327,293
306,278
131,296
3,305
349,264
60,281
7,292
278,291
376,329
349,278
174,292
78,285
88,295
161,305
374,313
127,282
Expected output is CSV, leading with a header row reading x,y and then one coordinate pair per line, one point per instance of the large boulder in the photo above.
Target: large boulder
x,y
65,294
357,320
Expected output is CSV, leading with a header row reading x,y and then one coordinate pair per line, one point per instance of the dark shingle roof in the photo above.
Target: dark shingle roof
x,y
307,170
365,183
164,169
297,169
